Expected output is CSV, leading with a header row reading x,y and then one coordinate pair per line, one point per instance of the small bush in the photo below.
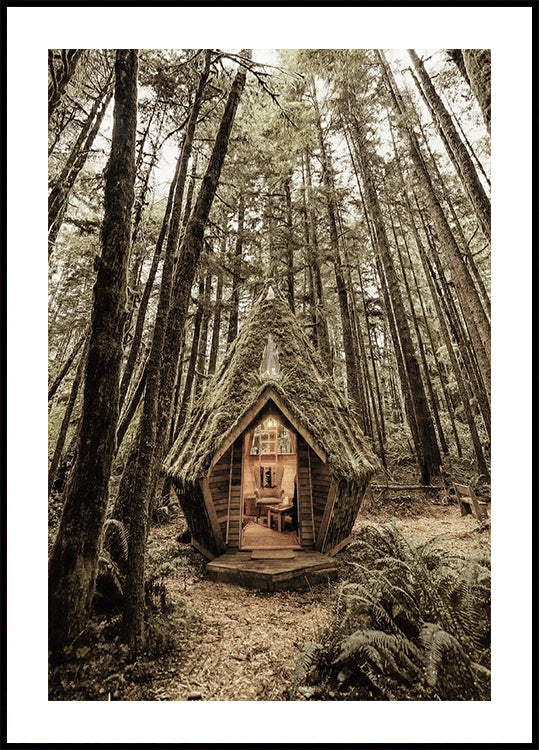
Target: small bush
x,y
412,622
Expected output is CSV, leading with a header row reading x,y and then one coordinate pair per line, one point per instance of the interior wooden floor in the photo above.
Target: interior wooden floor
x,y
258,536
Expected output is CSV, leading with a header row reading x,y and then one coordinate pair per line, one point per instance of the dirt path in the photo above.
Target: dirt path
x,y
248,642
246,646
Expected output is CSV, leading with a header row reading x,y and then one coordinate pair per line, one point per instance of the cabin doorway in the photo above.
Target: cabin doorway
x,y
269,486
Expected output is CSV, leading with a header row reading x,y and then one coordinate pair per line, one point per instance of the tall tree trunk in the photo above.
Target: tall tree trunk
x,y
460,238
407,408
447,400
73,563
236,269
200,371
463,281
350,352
214,347
289,245
161,375
456,149
128,412
60,441
420,345
62,187
322,332
380,425
465,395
67,364
436,298
139,326
427,449
459,326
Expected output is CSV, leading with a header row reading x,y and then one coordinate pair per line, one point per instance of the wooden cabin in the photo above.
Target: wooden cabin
x,y
271,464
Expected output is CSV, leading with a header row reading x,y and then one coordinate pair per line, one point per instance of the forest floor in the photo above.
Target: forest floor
x,y
247,642
241,644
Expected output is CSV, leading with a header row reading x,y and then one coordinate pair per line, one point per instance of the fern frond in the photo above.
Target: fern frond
x,y
116,538
305,662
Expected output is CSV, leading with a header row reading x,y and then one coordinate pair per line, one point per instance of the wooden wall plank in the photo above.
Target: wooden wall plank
x,y
216,528
305,513
235,495
327,515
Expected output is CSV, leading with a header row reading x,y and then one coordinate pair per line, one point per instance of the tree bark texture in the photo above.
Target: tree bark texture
x,y
477,64
73,563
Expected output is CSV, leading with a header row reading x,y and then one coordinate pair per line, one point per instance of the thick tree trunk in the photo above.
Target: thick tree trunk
x,y
406,403
161,375
456,149
73,563
458,59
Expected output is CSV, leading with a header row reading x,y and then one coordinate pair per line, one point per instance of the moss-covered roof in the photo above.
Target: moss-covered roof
x,y
302,383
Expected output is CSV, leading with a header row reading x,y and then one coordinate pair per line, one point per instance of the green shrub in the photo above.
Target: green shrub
x,y
411,622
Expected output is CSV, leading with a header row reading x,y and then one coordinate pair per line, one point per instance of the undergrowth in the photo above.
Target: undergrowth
x,y
411,622
97,665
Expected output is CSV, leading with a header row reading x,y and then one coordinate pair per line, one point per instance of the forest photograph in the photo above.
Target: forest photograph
x,y
272,460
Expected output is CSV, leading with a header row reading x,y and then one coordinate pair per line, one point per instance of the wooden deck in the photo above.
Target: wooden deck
x,y
294,569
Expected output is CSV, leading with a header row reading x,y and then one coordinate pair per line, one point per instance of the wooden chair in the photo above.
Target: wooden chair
x,y
265,496
469,503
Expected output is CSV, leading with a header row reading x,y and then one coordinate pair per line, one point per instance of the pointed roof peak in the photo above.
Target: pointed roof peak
x,y
291,367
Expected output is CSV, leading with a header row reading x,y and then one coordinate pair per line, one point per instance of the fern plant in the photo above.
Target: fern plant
x,y
411,621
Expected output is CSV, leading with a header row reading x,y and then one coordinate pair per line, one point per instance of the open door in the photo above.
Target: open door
x,y
269,484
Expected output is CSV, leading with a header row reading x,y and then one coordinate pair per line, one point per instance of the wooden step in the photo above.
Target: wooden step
x,y
273,554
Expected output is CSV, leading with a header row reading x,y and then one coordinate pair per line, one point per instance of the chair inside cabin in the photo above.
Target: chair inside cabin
x,y
268,490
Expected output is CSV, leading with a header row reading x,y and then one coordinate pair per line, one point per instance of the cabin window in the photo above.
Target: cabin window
x,y
271,437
